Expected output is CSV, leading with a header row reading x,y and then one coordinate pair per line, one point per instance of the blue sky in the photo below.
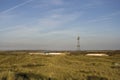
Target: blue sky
x,y
55,24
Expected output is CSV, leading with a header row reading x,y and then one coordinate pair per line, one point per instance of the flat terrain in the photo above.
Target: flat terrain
x,y
60,67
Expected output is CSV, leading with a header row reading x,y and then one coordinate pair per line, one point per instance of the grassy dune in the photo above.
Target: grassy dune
x,y
64,67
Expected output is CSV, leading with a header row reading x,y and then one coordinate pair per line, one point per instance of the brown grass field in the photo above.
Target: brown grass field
x,y
18,65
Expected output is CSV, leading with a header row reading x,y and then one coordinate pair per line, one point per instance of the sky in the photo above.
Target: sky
x,y
56,24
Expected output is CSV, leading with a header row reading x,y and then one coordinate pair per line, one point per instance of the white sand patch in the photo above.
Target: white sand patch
x,y
36,53
55,53
97,55
47,53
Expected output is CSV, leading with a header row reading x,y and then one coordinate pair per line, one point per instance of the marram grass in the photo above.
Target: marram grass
x,y
64,67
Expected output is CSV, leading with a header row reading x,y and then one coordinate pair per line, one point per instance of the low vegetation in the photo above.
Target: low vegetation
x,y
18,65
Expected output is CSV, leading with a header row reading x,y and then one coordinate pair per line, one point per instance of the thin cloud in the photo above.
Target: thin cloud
x,y
57,2
57,20
104,18
16,6
5,29
99,20
112,14
47,3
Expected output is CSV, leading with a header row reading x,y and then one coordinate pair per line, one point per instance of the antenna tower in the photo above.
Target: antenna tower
x,y
78,43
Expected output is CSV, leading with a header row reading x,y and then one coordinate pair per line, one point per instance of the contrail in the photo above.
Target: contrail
x,y
16,6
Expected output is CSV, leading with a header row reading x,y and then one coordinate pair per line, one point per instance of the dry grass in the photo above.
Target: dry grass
x,y
68,67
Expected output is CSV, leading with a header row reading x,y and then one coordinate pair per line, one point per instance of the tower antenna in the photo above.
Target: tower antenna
x,y
78,43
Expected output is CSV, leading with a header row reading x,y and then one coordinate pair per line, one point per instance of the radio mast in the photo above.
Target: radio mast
x,y
78,43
